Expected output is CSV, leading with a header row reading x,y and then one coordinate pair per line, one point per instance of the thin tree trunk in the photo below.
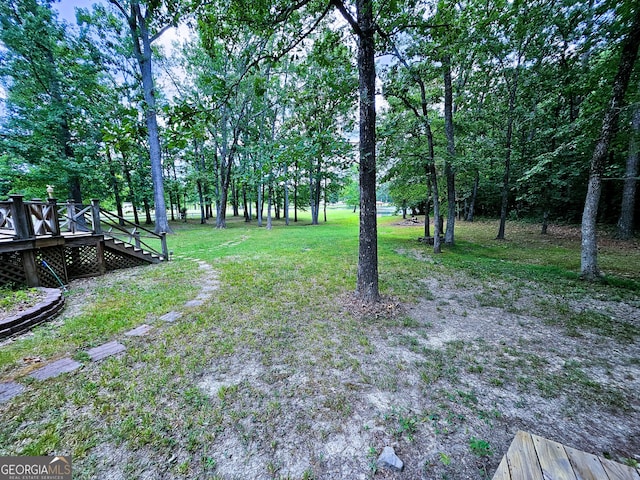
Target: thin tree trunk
x,y
451,153
437,248
295,194
269,201
132,196
325,200
627,210
286,202
504,204
235,198
245,205
474,195
116,187
427,231
147,211
259,205
589,246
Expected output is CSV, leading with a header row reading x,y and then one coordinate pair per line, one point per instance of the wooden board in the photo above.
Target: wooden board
x,y
522,458
553,459
619,471
503,470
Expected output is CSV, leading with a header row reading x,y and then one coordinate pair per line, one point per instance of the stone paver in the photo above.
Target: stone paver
x,y
139,331
171,316
106,350
8,390
64,365
193,303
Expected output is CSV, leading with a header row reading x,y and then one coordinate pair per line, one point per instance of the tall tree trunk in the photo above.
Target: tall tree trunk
x,y
504,203
451,153
367,281
627,210
589,245
139,29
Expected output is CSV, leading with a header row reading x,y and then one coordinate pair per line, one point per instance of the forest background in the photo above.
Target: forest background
x,y
490,108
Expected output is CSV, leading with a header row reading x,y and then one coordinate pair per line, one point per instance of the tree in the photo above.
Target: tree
x,y
146,25
589,247
52,128
625,222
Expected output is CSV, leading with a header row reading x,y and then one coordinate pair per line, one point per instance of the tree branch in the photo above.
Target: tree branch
x,y
159,33
347,16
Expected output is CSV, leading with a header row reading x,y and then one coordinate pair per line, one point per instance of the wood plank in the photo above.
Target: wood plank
x,y
502,473
553,459
618,471
585,465
107,350
522,458
64,365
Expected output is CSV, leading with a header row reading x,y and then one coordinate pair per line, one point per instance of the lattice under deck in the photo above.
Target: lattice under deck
x,y
11,269
54,256
82,261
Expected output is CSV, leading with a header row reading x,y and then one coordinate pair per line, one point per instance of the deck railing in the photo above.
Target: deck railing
x,y
20,220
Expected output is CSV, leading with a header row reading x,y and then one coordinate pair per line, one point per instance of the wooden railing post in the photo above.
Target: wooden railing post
x,y
24,230
163,241
95,214
136,239
71,213
21,221
55,219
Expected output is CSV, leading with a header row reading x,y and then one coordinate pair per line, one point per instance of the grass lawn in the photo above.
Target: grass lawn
x,y
282,374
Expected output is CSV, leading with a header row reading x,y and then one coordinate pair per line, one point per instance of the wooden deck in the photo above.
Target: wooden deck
x,y
531,457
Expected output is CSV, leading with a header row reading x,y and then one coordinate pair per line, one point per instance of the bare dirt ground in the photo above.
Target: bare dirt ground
x,y
446,382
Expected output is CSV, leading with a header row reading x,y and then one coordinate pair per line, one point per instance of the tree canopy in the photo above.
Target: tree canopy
x,y
467,108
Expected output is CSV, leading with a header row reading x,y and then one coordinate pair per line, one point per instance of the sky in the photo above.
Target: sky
x,y
66,8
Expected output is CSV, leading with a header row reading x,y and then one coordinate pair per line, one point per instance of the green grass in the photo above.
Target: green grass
x,y
281,308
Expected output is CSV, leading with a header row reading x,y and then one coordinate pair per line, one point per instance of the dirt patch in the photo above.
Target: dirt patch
x,y
446,382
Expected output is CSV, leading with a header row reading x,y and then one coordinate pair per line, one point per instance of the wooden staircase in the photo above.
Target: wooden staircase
x,y
131,250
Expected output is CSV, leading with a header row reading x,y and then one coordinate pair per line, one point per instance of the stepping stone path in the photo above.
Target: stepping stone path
x,y
64,365
194,303
139,331
107,350
171,316
9,390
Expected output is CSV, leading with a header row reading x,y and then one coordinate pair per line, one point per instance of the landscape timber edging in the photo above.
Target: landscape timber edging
x,y
41,312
